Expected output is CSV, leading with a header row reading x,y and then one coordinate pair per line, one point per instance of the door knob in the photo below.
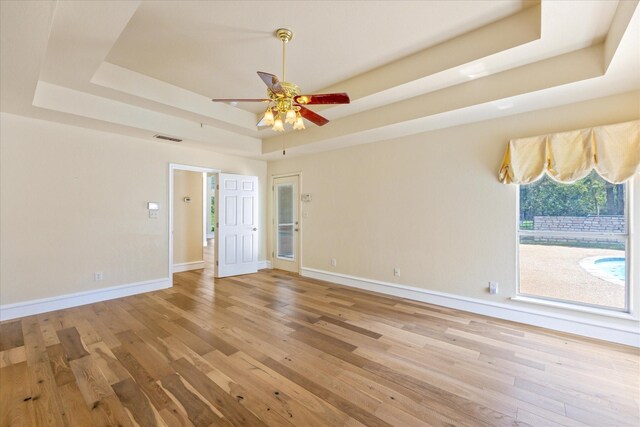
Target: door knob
x,y
295,229
255,229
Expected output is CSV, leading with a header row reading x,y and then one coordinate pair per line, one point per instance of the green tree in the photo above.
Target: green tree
x,y
589,196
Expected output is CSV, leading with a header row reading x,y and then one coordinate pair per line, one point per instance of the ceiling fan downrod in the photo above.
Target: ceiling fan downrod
x,y
285,35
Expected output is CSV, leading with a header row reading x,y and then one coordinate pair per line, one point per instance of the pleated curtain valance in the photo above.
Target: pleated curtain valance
x,y
613,150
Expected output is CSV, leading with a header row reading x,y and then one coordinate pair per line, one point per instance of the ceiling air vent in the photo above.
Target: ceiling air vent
x,y
167,138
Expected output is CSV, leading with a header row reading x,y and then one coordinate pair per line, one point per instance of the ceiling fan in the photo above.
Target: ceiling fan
x,y
284,98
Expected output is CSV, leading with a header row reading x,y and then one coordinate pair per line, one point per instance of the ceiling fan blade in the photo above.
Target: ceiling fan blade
x,y
240,100
271,81
313,117
323,98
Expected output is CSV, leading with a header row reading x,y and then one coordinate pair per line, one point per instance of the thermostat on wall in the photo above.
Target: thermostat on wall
x,y
305,197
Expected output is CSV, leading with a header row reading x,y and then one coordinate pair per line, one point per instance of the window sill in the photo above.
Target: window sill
x,y
574,307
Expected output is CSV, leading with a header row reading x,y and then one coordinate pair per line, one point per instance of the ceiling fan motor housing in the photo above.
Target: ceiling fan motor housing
x,y
284,101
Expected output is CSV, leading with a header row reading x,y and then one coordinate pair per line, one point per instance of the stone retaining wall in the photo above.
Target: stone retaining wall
x,y
585,224
602,224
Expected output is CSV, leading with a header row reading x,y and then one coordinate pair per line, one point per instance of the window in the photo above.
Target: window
x,y
573,242
286,217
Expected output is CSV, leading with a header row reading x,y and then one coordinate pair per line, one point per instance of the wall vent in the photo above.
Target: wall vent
x,y
167,138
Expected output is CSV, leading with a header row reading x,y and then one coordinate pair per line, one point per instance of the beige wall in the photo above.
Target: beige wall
x,y
73,202
187,217
430,204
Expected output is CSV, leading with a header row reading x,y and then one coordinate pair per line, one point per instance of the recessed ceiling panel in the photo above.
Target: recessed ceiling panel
x,y
214,48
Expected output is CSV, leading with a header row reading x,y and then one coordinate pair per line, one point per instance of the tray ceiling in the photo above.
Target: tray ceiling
x,y
142,68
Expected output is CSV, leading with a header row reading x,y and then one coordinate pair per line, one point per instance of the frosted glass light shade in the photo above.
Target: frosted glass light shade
x,y
268,118
291,117
299,124
278,126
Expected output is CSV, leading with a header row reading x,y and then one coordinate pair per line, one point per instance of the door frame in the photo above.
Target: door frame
x,y
209,192
273,217
173,167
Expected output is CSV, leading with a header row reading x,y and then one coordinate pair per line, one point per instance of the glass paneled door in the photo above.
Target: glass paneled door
x,y
287,230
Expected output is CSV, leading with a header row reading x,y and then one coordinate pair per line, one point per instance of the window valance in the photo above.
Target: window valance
x,y
613,150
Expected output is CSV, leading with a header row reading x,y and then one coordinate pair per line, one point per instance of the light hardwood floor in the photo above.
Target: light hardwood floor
x,y
280,350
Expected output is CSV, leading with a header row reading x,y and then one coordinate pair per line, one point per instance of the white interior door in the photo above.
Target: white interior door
x,y
286,227
236,225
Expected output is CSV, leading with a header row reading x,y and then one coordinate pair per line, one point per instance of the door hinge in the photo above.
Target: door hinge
x,y
217,224
272,254
217,263
217,186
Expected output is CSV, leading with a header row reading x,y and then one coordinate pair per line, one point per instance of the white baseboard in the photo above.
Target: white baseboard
x,y
187,266
264,264
628,335
28,308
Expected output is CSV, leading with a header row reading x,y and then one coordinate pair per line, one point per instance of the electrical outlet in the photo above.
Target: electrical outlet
x,y
153,214
98,275
396,271
333,262
493,288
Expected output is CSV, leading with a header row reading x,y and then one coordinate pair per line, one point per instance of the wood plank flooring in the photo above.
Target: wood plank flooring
x,y
276,349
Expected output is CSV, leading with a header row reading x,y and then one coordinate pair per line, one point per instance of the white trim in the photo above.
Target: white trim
x,y
274,230
284,175
629,335
193,168
187,266
633,285
573,307
205,204
264,265
28,308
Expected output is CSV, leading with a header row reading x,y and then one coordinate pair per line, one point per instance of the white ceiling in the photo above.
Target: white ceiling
x,y
215,48
141,68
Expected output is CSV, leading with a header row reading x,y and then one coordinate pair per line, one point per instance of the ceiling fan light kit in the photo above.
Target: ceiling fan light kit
x,y
284,98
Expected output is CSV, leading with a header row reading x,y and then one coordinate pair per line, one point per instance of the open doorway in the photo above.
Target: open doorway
x,y
191,245
209,194
210,209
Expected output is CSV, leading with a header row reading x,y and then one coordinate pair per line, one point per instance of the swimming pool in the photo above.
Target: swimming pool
x,y
610,268
615,267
